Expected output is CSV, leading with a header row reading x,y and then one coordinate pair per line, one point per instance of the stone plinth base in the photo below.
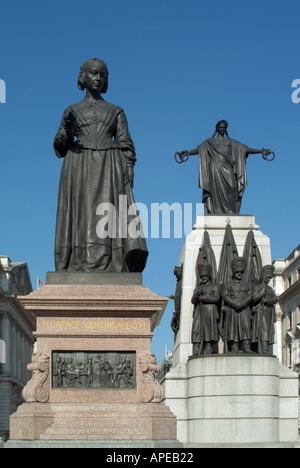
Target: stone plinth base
x,y
39,421
93,370
100,278
223,399
133,445
138,445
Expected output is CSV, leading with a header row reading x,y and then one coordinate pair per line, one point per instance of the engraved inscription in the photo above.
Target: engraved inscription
x,y
93,370
82,325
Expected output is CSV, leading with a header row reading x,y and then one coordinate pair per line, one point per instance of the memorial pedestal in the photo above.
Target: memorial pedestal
x,y
227,399
238,399
93,372
97,421
223,399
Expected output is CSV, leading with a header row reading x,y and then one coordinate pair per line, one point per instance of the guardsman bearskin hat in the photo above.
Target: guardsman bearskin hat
x,y
238,263
204,269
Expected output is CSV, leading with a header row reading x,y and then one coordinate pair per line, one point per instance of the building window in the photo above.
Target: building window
x,y
289,320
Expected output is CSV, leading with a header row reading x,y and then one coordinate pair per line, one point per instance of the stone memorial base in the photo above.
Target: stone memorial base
x,y
71,421
233,399
133,445
93,372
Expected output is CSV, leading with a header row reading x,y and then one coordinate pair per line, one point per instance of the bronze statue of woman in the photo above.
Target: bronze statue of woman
x,y
99,157
222,170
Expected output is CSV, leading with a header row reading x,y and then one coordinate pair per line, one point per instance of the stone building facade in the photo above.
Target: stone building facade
x,y
287,287
16,337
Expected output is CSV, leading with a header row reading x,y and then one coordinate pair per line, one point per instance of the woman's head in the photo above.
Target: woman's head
x,y
221,128
88,71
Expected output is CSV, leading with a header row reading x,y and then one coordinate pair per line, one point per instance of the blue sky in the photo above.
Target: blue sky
x,y
176,67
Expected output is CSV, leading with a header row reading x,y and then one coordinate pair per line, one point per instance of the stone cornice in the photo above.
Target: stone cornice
x,y
291,292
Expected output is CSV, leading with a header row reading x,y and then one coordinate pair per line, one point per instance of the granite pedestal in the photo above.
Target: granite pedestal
x,y
93,371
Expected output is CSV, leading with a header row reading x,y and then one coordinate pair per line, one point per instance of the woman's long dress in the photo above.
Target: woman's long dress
x,y
94,192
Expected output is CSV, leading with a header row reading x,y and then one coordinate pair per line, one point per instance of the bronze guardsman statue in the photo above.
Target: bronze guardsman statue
x,y
205,332
264,300
237,296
